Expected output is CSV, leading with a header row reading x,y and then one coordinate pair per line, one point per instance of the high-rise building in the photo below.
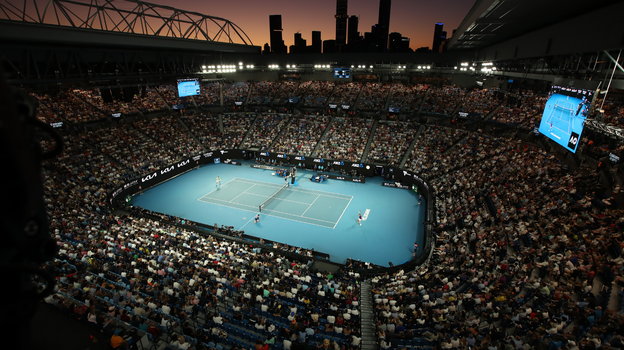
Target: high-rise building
x,y
317,44
341,23
353,35
383,24
299,44
329,46
439,35
398,43
275,31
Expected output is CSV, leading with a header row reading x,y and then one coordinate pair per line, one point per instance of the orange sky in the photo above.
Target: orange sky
x,y
414,19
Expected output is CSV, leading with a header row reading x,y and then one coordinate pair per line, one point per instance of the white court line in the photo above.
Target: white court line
x,y
328,194
278,199
215,190
343,211
310,206
276,211
242,193
245,224
275,216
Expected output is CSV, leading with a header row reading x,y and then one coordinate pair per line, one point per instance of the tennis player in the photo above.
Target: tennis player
x,y
218,183
257,218
359,218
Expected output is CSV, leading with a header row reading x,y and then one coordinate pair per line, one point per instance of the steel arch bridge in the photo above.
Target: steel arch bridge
x,y
125,16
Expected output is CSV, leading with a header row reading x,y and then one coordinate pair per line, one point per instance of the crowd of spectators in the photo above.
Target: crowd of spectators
x,y
479,101
442,100
406,98
522,108
346,139
235,127
136,277
181,287
206,127
265,129
66,107
235,92
317,93
391,141
301,135
345,94
526,257
432,143
287,90
528,254
373,96
262,92
170,132
613,108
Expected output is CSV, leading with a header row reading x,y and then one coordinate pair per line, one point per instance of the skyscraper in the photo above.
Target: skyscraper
x,y
341,23
275,31
300,44
439,35
354,35
317,44
383,24
398,43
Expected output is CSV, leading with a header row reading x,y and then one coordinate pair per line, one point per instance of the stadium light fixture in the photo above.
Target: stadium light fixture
x,y
465,64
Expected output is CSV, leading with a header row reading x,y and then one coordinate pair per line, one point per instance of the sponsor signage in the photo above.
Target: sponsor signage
x,y
344,178
395,184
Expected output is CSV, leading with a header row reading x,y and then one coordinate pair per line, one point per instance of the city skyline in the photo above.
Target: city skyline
x,y
413,19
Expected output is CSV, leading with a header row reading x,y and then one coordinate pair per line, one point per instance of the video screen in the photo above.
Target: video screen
x,y
342,73
188,87
564,115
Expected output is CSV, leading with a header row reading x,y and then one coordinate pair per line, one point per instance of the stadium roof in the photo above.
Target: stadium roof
x,y
493,21
127,23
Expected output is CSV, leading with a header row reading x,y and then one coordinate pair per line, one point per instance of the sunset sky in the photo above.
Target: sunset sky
x,y
412,18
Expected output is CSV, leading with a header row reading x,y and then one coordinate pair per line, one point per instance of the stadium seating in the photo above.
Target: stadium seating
x,y
527,253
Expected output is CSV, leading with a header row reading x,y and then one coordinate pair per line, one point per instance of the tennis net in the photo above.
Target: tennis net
x,y
271,198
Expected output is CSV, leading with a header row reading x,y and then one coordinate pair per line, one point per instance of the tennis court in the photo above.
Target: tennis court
x,y
296,204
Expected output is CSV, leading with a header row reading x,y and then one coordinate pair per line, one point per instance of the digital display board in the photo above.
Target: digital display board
x,y
342,73
188,87
564,115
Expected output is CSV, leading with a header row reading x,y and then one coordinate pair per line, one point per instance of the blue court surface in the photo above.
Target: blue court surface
x,y
319,216
563,120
